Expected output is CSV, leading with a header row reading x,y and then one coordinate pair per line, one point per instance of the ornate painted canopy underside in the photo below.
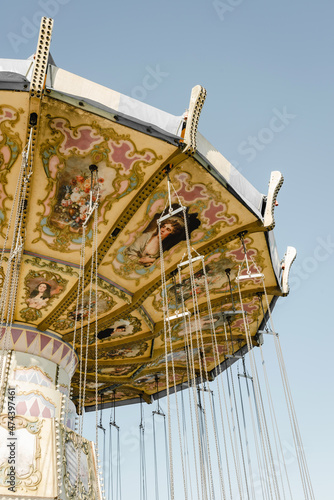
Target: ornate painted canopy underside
x,y
74,132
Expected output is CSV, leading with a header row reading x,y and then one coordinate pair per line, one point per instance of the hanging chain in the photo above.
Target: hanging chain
x,y
301,458
79,314
267,450
10,284
207,485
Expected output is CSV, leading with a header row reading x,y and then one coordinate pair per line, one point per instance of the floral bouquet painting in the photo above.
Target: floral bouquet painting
x,y
72,203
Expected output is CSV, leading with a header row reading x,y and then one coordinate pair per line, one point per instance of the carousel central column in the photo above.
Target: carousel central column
x,y
38,449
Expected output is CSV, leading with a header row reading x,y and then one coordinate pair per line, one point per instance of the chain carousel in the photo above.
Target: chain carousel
x,y
136,264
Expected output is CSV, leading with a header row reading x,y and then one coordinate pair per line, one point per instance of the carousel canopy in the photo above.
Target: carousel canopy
x,y
73,123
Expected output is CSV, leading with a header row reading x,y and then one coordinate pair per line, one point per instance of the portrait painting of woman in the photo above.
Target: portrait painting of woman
x,y
41,289
39,296
145,249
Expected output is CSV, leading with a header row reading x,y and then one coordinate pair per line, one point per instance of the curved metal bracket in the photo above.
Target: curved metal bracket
x,y
197,98
288,259
275,183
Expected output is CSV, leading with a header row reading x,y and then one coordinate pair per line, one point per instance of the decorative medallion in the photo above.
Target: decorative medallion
x,y
42,287
121,328
86,309
127,351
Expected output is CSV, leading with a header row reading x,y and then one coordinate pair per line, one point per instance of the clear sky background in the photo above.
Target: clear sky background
x,y
255,58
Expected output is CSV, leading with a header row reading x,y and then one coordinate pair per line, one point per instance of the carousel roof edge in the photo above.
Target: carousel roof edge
x,y
68,83
15,74
114,115
14,70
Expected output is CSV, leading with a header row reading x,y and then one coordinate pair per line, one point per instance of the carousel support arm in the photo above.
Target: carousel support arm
x,y
197,98
275,184
288,259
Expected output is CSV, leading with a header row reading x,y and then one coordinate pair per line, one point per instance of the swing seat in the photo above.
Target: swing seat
x,y
250,276
178,315
187,262
268,333
227,314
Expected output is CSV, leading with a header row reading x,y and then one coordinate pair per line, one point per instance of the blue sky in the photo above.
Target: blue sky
x,y
256,59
